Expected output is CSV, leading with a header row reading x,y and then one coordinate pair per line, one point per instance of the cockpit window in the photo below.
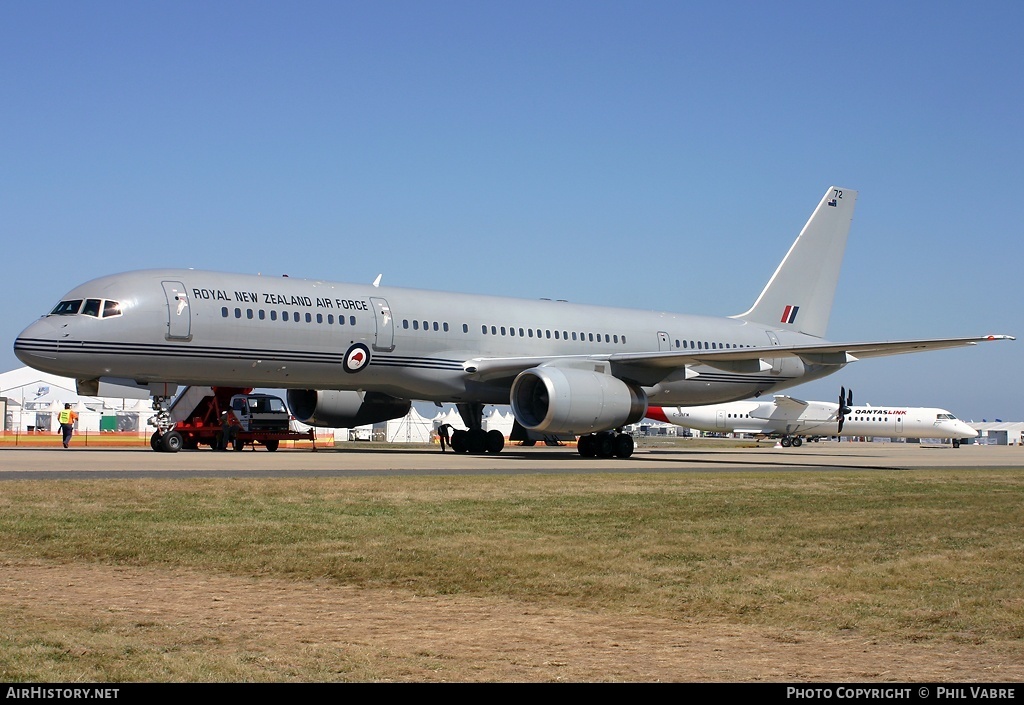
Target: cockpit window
x,y
92,307
111,308
940,417
66,308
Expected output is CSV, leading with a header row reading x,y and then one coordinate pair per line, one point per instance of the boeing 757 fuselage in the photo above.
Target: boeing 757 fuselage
x,y
352,354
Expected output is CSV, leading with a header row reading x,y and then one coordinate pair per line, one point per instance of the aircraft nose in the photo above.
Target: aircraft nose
x,y
967,432
38,343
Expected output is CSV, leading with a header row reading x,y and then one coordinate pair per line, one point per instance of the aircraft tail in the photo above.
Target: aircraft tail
x,y
799,295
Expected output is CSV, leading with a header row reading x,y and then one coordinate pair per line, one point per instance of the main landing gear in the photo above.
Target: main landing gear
x,y
605,445
787,441
475,440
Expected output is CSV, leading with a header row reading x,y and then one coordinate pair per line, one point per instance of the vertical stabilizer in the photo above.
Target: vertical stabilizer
x,y
799,295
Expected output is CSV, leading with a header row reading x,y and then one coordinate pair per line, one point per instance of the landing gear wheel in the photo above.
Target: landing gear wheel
x,y
495,441
786,442
154,442
458,442
476,442
797,442
171,442
605,445
272,444
586,446
624,445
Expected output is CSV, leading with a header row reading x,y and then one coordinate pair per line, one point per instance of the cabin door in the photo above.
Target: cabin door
x,y
775,362
385,338
179,317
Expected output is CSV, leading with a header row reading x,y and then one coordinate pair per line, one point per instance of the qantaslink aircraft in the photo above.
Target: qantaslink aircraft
x,y
790,419
354,354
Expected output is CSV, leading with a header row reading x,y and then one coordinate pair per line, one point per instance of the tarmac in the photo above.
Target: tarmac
x,y
351,460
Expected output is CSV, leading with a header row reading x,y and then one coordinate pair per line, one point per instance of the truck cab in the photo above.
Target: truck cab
x,y
260,412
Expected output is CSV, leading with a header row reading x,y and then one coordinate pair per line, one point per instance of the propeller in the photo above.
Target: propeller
x,y
845,405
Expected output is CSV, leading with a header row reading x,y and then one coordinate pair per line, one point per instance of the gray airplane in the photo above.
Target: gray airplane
x,y
352,354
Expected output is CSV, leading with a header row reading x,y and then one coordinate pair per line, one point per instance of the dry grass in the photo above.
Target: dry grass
x,y
907,557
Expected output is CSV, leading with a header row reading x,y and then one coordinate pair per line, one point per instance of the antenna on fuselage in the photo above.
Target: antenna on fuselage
x,y
376,282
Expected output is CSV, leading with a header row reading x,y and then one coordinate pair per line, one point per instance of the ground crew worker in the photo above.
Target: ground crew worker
x,y
229,430
66,418
442,435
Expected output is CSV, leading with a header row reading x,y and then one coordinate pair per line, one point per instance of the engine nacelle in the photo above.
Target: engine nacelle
x,y
565,400
342,409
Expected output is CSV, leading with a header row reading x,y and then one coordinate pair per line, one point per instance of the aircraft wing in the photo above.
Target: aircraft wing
x,y
824,353
889,347
651,367
790,404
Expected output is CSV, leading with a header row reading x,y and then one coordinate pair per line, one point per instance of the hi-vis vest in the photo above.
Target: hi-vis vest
x,y
64,416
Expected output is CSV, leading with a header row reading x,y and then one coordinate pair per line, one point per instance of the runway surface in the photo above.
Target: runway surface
x,y
353,461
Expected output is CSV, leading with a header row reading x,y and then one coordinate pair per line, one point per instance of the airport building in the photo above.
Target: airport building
x,y
998,433
31,401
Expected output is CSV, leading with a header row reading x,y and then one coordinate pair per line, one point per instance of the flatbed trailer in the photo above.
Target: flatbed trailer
x,y
213,422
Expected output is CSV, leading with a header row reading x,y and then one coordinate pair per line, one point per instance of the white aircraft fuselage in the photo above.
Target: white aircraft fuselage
x,y
351,354
788,417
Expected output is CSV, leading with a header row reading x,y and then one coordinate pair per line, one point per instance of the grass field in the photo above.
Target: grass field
x,y
906,557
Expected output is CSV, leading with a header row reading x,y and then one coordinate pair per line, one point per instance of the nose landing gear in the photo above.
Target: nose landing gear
x,y
164,439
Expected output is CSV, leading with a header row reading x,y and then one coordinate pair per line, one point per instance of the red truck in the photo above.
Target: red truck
x,y
227,417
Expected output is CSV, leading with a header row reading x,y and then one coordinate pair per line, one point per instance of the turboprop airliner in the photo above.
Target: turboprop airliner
x,y
354,354
790,419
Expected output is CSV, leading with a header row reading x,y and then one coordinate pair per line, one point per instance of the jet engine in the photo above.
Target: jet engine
x,y
566,400
342,409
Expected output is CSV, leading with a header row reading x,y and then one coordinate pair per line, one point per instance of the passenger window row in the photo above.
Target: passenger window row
x,y
547,334
705,345
287,316
112,308
426,325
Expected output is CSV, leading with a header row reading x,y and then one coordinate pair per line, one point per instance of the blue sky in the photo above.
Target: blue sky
x,y
658,155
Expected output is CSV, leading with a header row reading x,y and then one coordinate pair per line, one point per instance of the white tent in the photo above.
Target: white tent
x,y
411,428
498,417
449,417
499,420
35,398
